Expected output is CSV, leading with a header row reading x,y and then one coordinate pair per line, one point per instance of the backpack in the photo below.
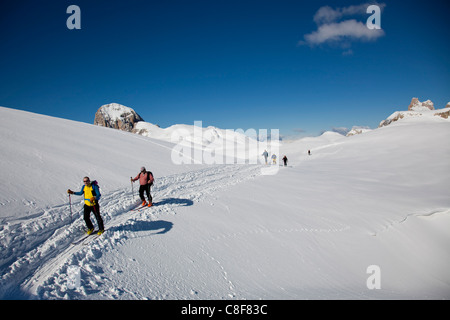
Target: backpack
x,y
150,177
95,183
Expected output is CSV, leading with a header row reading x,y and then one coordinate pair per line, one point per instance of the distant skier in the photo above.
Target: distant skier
x,y
266,155
274,159
309,152
92,194
146,181
285,160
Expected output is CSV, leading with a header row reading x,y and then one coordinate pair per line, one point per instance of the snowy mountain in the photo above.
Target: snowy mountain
x,y
416,105
209,135
315,230
358,130
117,116
195,136
418,110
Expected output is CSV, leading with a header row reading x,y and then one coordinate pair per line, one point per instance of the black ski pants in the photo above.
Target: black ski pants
x,y
145,188
87,216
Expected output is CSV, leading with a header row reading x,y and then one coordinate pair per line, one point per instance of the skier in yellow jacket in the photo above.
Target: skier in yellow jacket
x,y
92,194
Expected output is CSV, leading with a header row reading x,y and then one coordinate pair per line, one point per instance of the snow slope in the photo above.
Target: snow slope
x,y
226,231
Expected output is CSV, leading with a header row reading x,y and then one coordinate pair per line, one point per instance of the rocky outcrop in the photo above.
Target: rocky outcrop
x,y
117,116
416,105
358,130
445,113
392,118
417,109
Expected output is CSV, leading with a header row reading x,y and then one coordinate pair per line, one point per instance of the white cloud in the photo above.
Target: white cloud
x,y
331,30
339,31
327,14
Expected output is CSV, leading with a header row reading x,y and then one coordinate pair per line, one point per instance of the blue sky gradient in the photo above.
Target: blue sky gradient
x,y
231,64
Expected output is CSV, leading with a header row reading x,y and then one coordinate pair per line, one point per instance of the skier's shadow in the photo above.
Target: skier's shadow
x,y
174,201
160,225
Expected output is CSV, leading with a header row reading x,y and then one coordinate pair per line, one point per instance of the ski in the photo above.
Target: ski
x,y
83,238
80,240
140,208
90,239
143,208
137,209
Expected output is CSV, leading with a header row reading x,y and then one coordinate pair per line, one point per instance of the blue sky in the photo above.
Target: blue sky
x,y
231,64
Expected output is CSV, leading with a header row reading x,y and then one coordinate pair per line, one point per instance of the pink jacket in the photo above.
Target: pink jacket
x,y
144,178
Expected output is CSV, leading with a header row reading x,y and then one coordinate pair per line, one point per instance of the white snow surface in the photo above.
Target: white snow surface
x,y
311,231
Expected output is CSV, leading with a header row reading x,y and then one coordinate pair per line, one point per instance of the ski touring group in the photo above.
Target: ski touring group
x,y
91,192
274,158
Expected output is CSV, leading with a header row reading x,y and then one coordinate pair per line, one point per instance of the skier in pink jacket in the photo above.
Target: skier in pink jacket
x,y
146,181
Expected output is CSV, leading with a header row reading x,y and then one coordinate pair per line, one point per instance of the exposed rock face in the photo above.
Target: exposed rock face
x,y
445,113
394,117
117,116
358,130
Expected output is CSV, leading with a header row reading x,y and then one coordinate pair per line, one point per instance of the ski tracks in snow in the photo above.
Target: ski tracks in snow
x,y
36,252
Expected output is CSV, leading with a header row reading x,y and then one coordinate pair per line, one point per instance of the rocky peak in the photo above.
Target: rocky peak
x,y
416,105
117,116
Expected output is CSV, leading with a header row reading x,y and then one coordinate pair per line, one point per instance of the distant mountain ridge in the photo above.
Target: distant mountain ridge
x,y
124,118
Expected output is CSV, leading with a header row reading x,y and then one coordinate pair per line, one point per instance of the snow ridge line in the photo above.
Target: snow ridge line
x,y
42,261
412,215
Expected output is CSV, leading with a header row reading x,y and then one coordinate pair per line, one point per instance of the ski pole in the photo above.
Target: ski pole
x,y
132,189
70,205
